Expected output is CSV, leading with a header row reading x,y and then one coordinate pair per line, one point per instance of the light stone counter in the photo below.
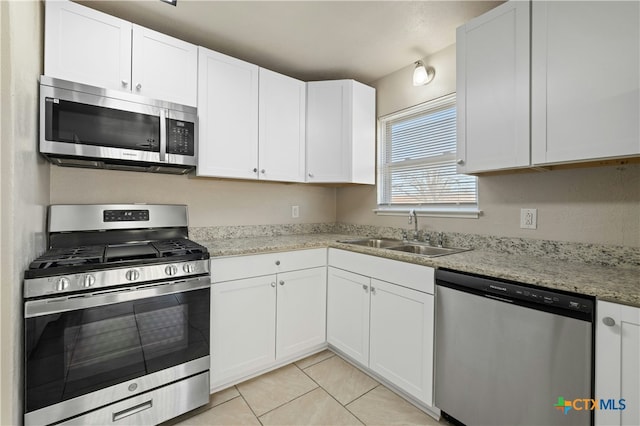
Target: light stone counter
x,y
619,284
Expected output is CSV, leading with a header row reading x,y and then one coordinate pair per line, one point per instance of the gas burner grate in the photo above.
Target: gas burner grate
x,y
168,248
83,255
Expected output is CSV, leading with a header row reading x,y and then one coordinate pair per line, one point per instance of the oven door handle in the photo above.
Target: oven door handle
x,y
36,308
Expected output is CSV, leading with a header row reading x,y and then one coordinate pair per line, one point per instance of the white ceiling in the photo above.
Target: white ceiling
x,y
309,40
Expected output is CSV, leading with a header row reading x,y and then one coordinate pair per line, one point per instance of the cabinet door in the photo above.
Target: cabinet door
x,y
228,116
301,312
348,313
243,321
617,366
86,46
328,144
164,67
402,326
282,127
585,84
493,90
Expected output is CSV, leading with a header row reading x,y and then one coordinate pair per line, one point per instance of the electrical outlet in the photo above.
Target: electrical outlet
x,y
295,211
529,218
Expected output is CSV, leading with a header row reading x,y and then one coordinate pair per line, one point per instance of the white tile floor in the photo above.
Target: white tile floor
x,y
322,389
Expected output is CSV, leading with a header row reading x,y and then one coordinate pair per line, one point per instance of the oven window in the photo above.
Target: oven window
x,y
78,123
70,354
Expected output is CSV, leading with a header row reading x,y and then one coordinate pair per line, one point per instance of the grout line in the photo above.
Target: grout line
x,y
288,402
317,362
330,395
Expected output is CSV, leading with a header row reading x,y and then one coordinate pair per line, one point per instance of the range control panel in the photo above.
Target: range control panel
x,y
180,137
125,215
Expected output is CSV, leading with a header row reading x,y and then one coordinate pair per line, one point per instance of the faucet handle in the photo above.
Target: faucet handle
x,y
440,239
405,236
427,238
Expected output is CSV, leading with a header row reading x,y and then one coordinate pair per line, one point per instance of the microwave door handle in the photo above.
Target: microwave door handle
x,y
163,135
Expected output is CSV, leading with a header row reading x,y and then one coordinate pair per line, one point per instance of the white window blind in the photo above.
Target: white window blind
x,y
417,160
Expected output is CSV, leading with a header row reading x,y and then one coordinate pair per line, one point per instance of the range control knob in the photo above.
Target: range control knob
x,y
88,281
132,275
189,268
62,284
171,270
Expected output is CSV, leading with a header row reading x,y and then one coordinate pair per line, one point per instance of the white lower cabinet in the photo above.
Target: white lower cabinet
x,y
301,313
618,364
401,337
348,313
385,326
259,322
243,327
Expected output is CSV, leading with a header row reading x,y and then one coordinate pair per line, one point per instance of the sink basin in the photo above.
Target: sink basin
x,y
374,242
426,250
399,245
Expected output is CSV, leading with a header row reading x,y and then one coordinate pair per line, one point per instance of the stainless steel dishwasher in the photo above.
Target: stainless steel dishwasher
x,y
506,352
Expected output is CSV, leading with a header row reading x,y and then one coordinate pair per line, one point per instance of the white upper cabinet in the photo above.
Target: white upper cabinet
x,y
228,116
252,121
86,46
340,132
164,67
580,62
91,47
281,147
585,80
493,90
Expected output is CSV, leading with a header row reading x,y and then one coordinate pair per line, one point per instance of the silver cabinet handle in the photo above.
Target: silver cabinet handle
x,y
125,83
255,170
310,175
273,284
139,86
263,171
365,288
373,290
277,262
281,282
460,161
608,321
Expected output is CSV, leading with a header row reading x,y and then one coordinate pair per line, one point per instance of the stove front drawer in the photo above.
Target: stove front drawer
x,y
152,407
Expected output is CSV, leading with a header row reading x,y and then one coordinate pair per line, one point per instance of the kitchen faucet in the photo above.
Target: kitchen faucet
x,y
413,218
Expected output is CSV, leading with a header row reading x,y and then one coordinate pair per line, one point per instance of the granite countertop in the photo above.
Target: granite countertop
x,y
619,284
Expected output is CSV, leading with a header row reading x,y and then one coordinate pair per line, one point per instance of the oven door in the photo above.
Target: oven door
x,y
89,350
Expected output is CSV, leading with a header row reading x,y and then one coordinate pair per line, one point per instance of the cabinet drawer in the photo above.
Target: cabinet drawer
x,y
237,267
152,407
417,277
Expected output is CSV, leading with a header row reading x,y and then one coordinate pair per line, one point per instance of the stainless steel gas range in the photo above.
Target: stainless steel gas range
x,y
116,317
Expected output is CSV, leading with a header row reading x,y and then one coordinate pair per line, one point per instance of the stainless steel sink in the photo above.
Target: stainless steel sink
x,y
399,245
426,250
374,242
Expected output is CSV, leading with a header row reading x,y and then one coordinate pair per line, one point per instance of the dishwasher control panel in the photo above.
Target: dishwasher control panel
x,y
517,293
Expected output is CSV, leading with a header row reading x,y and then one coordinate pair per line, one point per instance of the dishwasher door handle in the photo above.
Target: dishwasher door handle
x,y
502,299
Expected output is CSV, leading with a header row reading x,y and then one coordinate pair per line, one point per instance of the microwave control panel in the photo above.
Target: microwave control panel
x,y
180,137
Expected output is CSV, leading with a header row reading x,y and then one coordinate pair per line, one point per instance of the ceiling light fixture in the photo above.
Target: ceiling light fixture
x,y
422,75
171,2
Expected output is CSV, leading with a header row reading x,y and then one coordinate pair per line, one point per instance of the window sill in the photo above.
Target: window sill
x,y
462,213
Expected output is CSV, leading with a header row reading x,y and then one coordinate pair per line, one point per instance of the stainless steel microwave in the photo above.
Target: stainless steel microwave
x,y
86,126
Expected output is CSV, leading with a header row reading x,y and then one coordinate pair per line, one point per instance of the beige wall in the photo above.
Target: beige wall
x,y
24,185
211,202
595,205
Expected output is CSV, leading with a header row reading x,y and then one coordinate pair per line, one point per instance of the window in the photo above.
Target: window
x,y
417,162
